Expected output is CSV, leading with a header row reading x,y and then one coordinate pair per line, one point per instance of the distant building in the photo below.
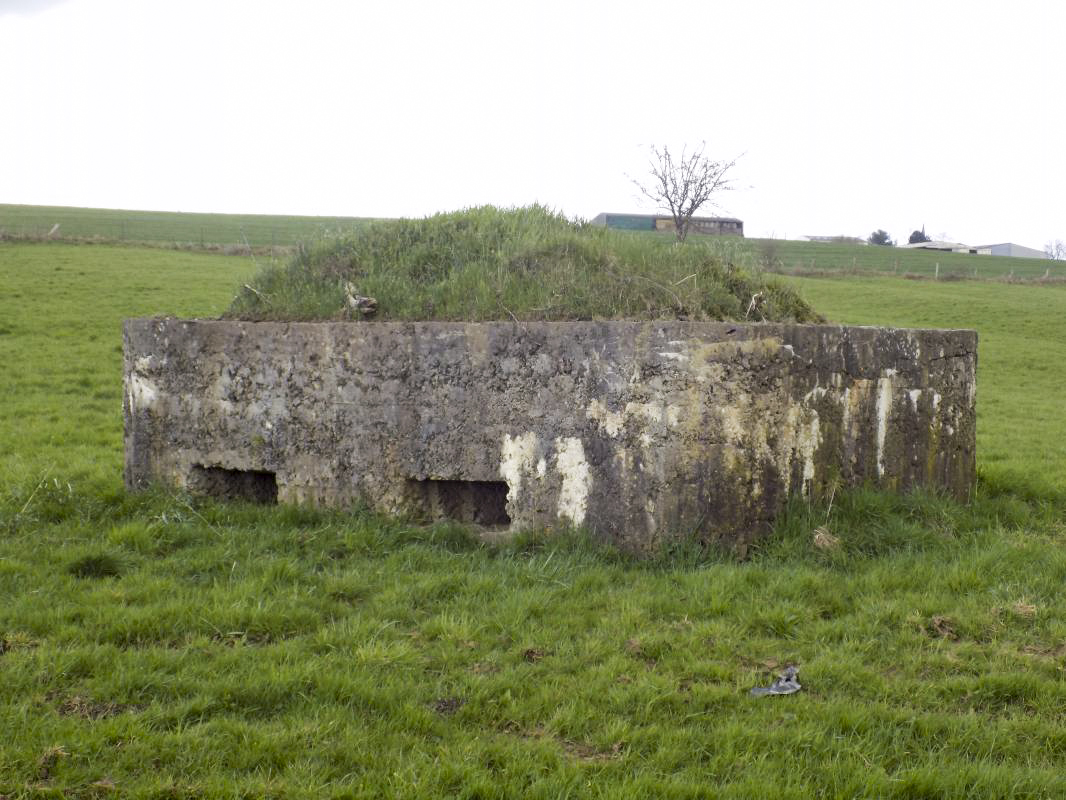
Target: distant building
x,y
946,247
718,226
1010,249
1003,249
836,239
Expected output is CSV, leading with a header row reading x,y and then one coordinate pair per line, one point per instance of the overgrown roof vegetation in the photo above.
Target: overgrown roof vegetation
x,y
524,264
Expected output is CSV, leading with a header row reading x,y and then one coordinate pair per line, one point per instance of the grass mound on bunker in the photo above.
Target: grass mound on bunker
x,y
525,263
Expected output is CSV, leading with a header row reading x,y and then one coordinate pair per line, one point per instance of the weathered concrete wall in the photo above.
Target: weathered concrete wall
x,y
637,430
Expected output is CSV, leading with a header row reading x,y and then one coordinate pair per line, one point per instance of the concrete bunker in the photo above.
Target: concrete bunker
x,y
638,431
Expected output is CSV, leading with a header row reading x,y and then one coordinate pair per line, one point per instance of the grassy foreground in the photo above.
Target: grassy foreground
x,y
522,264
157,646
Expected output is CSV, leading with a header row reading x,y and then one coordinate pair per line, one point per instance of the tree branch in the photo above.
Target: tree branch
x,y
683,185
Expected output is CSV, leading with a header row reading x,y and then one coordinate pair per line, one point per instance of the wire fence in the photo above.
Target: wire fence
x,y
916,270
802,258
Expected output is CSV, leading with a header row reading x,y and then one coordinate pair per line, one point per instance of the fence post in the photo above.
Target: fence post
x,y
936,274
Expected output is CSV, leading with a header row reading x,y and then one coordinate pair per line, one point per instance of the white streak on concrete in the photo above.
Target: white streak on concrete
x,y
915,394
675,356
800,436
644,413
542,468
142,392
808,439
808,436
884,405
574,469
816,393
516,457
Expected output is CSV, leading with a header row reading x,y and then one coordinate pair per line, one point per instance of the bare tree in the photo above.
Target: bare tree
x,y
685,184
1056,250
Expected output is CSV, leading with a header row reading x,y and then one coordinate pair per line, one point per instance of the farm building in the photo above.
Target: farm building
x,y
1003,249
946,247
838,239
660,222
1010,249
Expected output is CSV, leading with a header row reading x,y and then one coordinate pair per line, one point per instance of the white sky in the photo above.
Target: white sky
x,y
851,115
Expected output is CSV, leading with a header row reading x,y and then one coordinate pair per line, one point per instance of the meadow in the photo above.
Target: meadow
x,y
167,227
159,645
802,257
282,233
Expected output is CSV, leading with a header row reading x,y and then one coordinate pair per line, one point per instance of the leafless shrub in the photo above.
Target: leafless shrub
x,y
683,185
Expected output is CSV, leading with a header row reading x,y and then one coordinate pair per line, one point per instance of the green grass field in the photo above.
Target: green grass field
x,y
263,230
160,646
171,227
800,257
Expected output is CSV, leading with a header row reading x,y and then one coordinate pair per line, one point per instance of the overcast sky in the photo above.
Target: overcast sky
x,y
850,116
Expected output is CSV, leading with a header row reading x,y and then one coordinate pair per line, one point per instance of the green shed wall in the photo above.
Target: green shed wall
x,y
630,223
